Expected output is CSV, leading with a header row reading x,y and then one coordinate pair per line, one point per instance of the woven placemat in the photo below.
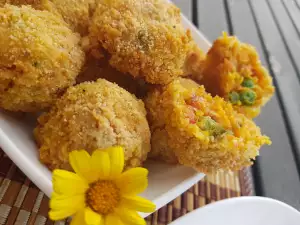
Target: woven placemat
x,y
22,203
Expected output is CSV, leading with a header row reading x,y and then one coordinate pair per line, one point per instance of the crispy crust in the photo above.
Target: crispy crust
x,y
76,13
169,114
93,116
39,58
144,38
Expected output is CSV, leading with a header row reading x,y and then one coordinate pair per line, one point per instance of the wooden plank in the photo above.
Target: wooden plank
x,y
185,6
287,30
244,26
279,175
212,18
291,41
294,13
298,3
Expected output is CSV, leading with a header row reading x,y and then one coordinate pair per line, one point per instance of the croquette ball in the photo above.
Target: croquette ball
x,y
232,70
76,13
144,38
199,130
90,116
39,58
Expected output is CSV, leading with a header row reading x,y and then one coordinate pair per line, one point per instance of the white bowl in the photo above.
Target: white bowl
x,y
243,211
166,182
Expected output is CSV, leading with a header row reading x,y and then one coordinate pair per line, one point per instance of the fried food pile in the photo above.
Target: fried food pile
x,y
126,72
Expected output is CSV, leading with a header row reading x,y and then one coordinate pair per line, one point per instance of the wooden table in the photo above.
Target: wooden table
x,y
273,27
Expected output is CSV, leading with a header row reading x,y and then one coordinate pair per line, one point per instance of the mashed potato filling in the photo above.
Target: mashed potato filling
x,y
204,120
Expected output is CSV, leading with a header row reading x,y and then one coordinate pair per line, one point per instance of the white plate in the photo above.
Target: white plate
x,y
166,182
243,211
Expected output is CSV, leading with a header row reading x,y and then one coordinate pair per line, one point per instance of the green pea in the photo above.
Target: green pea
x,y
247,82
209,123
248,97
211,126
234,97
36,64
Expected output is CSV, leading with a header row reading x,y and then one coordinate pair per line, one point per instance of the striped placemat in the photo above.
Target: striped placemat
x,y
22,203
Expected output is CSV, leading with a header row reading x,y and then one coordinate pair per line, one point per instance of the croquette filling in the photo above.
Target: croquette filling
x,y
205,121
244,95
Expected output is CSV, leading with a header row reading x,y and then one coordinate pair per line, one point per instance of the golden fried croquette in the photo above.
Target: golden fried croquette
x,y
39,58
144,38
199,130
77,13
233,71
90,116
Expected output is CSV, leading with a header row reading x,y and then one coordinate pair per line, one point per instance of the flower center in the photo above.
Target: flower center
x,y
103,197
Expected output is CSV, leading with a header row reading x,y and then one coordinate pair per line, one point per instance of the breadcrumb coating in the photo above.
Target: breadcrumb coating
x,y
233,70
144,38
77,13
39,58
90,116
36,4
201,131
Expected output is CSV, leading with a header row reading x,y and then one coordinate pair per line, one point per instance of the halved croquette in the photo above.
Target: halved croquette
x,y
202,131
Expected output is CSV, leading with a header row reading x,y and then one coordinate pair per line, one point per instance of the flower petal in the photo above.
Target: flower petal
x,y
133,181
68,183
113,219
78,218
92,218
101,164
139,204
116,155
60,202
61,214
81,164
129,216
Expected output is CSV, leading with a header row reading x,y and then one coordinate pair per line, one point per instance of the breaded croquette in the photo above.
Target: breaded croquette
x,y
39,58
143,38
232,70
199,130
90,116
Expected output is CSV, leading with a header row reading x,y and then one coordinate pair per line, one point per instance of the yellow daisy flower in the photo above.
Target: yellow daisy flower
x,y
99,192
